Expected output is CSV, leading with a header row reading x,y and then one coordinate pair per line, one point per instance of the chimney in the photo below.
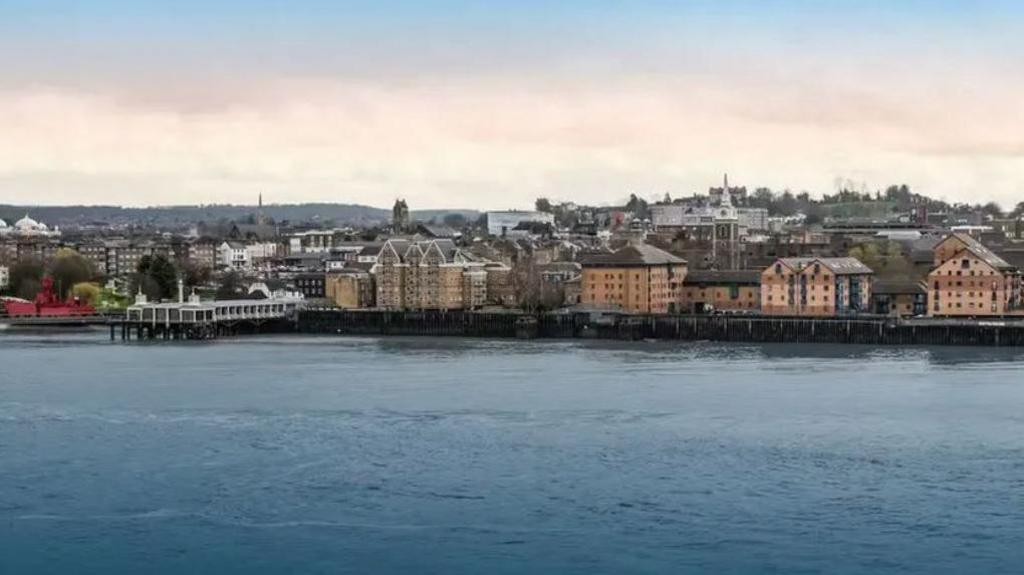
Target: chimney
x,y
181,291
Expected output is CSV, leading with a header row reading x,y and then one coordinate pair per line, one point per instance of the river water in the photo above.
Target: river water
x,y
366,455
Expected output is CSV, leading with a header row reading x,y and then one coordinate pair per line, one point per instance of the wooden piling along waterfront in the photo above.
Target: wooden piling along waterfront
x,y
754,329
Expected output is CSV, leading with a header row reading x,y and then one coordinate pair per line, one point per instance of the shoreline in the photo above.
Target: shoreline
x,y
864,330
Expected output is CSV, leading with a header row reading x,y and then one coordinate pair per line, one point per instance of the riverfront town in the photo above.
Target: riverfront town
x,y
726,250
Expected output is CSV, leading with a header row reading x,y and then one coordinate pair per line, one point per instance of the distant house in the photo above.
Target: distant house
x,y
822,287
233,255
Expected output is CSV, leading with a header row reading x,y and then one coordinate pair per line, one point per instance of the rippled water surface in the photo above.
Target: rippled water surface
x,y
359,455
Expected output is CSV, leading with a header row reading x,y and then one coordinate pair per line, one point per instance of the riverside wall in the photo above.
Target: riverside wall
x,y
755,329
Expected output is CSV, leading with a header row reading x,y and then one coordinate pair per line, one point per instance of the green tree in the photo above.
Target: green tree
x,y
157,277
637,206
230,286
86,292
543,205
69,268
868,254
26,278
195,275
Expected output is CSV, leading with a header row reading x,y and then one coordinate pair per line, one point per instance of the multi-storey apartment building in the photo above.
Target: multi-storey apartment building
x,y
816,287
970,280
202,253
428,275
638,278
733,290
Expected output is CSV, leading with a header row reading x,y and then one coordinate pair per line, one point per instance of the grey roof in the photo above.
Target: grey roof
x,y
710,277
560,267
839,266
979,249
448,248
632,255
438,230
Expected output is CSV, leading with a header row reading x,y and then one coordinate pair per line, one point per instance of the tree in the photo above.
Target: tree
x,y
230,286
526,282
195,275
157,277
26,278
86,292
637,206
69,268
868,254
992,209
455,221
543,205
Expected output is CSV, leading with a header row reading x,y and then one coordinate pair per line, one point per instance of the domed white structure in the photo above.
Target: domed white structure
x,y
26,226
3,224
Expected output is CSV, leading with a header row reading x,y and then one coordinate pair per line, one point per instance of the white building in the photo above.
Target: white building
x,y
259,252
5,277
667,217
503,223
233,255
27,227
311,242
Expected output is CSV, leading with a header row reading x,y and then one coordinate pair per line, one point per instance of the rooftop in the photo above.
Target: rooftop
x,y
744,277
632,255
979,249
839,266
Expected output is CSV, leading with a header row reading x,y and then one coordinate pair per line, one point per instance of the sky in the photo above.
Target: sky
x,y
492,104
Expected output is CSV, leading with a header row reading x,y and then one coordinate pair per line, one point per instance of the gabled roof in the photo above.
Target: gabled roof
x,y
838,266
404,248
632,255
978,249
